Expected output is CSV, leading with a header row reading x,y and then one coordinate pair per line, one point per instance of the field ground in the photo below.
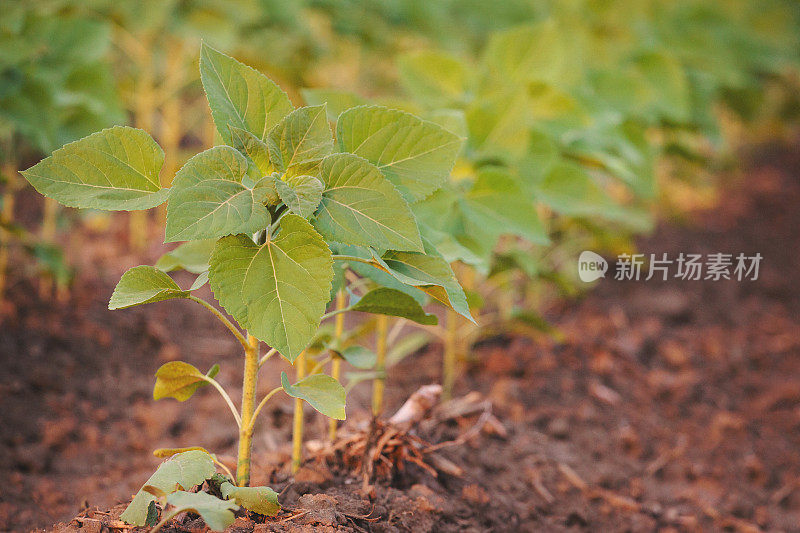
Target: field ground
x,y
666,405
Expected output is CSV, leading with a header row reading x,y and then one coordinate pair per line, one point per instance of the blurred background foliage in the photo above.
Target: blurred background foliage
x,y
582,118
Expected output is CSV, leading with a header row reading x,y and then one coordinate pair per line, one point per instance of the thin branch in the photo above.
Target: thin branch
x,y
320,364
334,313
266,356
225,396
225,468
261,404
222,318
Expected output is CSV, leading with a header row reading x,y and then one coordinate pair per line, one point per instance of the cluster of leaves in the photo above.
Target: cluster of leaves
x,y
269,217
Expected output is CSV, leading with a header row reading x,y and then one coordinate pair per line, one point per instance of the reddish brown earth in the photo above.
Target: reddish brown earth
x,y
666,405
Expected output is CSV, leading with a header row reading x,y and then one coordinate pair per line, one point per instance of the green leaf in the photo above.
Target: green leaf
x,y
322,392
261,500
278,290
252,147
414,154
359,357
113,169
384,301
497,205
301,194
180,380
143,285
191,256
240,96
185,470
359,206
214,195
303,136
216,513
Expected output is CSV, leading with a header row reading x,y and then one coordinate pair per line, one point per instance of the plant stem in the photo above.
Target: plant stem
x,y
6,217
449,362
297,429
266,356
222,318
214,383
143,118
336,364
48,236
380,365
261,405
248,409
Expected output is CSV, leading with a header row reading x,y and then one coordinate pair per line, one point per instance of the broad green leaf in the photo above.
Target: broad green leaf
x,y
384,301
240,96
322,392
301,194
143,285
114,169
497,205
253,147
373,271
277,291
216,513
359,206
303,136
184,470
414,154
213,195
360,357
261,500
180,380
430,273
190,256
336,101
433,77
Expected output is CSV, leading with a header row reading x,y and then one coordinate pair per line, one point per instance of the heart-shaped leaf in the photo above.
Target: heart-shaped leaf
x,y
414,154
385,301
184,470
322,392
216,513
116,169
213,195
301,194
143,285
261,500
359,357
301,137
180,380
240,96
360,206
277,290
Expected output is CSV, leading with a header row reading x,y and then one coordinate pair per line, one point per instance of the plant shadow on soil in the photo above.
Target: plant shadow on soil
x,y
669,404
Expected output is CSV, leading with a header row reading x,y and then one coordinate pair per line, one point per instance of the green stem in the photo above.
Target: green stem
x,y
214,383
449,363
248,409
222,318
378,383
337,257
336,364
266,356
261,405
297,428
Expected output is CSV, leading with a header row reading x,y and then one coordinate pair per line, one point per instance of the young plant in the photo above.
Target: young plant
x,y
265,217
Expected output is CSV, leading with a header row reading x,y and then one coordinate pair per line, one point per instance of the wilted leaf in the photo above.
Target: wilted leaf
x,y
143,285
322,392
117,169
277,290
216,513
359,206
180,380
261,500
185,470
385,301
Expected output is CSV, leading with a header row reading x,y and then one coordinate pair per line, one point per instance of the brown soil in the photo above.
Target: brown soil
x,y
665,406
